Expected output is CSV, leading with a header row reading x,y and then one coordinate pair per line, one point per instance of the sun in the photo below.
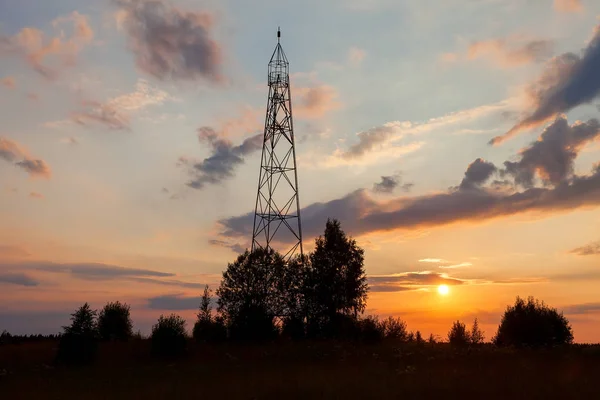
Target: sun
x,y
443,290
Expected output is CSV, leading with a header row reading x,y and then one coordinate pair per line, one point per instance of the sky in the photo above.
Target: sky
x,y
456,141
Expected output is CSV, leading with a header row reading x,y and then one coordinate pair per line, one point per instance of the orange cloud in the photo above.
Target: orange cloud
x,y
8,82
34,47
314,102
12,152
36,195
568,6
510,52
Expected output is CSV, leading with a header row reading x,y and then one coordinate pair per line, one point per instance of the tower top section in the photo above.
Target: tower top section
x,y
279,65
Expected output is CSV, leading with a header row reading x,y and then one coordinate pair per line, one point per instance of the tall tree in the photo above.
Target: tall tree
x,y
114,322
336,282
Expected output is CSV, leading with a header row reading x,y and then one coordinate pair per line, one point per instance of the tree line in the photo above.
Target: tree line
x,y
321,295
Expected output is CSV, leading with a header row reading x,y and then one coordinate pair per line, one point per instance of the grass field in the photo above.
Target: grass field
x,y
304,370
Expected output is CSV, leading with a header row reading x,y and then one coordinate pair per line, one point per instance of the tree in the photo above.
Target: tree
x,y
533,324
336,283
168,337
208,328
78,344
395,328
114,322
477,335
458,335
419,338
254,290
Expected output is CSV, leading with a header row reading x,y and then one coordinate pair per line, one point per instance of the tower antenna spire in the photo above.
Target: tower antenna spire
x,y
277,211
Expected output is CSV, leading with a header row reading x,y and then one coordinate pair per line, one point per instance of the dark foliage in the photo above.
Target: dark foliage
x,y
168,337
395,328
293,328
335,281
256,288
458,335
533,324
208,328
371,330
477,335
114,322
79,342
419,338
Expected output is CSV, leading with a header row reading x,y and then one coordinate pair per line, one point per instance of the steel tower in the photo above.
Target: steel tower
x,y
277,211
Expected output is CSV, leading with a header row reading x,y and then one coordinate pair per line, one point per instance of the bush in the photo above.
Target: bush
x,y
533,324
114,322
394,328
168,337
458,335
293,328
78,344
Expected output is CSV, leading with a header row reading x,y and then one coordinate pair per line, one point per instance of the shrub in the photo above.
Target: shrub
x,y
168,337
477,335
294,328
419,338
458,335
78,344
394,328
533,324
114,322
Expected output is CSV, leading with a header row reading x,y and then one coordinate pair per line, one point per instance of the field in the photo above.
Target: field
x,y
304,370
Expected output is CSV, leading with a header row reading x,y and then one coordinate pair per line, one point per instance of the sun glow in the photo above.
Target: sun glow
x,y
443,290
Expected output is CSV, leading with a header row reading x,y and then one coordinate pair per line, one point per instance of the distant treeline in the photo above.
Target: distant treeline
x,y
322,295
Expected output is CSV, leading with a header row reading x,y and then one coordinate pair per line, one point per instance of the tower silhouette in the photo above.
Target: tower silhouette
x,y
277,212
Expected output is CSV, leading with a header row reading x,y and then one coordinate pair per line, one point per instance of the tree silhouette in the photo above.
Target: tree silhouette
x,y
335,285
253,291
458,334
168,337
114,322
395,328
207,327
476,335
533,324
78,344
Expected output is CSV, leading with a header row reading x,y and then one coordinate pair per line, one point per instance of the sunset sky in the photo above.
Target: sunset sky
x,y
455,140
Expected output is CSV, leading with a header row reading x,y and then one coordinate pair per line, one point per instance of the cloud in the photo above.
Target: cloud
x,y
189,285
35,48
12,152
478,172
592,249
9,251
568,6
225,157
90,271
18,279
410,281
235,247
356,55
361,214
169,43
314,102
8,82
552,156
569,80
36,195
175,303
512,52
582,309
103,114
390,183
381,138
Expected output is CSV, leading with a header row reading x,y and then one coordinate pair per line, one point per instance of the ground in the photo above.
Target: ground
x,y
304,370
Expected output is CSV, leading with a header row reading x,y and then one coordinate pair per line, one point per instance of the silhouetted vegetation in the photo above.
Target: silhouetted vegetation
x,y
114,322
476,336
395,328
208,328
533,324
169,337
79,342
458,335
